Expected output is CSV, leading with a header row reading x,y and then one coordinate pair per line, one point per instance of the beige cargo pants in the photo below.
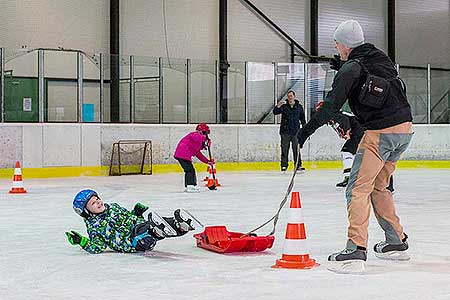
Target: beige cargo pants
x,y
375,160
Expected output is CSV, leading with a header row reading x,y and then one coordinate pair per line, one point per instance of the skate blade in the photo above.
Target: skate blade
x,y
185,215
394,255
340,188
347,267
158,220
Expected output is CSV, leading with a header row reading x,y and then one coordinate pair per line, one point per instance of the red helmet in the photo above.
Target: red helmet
x,y
203,127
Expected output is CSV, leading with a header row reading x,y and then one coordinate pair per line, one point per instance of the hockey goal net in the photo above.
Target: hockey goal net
x,y
131,157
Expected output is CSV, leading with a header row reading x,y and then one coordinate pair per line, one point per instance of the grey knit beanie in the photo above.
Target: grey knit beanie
x,y
349,33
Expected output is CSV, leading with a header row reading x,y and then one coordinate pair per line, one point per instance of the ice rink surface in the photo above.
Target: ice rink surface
x,y
37,262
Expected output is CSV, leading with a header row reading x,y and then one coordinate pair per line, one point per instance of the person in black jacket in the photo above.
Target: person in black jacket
x,y
377,97
292,114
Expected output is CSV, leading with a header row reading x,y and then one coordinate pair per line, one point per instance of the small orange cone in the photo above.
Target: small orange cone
x,y
210,179
294,254
17,187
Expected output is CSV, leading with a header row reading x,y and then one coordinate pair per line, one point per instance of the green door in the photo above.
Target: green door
x,y
21,99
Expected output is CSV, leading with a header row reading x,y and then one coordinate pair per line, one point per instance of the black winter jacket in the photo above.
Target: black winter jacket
x,y
347,84
291,117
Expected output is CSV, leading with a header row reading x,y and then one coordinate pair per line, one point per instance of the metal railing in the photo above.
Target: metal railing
x,y
67,85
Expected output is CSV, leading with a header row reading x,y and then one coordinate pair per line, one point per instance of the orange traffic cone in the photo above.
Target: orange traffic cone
x,y
210,179
294,254
17,187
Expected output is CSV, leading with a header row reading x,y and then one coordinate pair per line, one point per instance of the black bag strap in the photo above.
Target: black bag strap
x,y
397,77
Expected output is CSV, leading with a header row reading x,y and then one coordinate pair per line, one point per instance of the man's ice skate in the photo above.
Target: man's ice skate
x,y
388,251
160,227
348,261
283,170
342,185
192,189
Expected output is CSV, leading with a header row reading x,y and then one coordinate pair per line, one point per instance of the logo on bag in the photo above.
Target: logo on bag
x,y
378,89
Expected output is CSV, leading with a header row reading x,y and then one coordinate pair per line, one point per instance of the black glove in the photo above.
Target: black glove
x,y
139,209
341,124
75,238
336,62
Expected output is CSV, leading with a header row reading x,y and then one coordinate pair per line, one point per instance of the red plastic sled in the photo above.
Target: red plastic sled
x,y
219,239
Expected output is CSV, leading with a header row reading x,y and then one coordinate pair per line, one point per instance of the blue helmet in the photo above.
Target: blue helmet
x,y
80,201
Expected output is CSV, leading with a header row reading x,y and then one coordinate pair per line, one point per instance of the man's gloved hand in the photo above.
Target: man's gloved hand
x,y
75,238
336,62
343,130
139,209
341,124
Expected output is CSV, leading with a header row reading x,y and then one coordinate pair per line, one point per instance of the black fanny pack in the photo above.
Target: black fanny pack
x,y
375,89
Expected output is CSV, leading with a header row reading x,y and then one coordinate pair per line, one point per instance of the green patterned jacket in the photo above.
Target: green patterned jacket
x,y
112,228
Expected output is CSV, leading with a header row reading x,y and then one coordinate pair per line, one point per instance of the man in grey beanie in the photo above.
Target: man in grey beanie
x,y
368,79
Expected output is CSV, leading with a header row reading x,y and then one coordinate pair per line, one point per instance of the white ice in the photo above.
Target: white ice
x,y
37,262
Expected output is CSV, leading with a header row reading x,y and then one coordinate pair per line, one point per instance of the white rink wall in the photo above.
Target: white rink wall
x,y
75,145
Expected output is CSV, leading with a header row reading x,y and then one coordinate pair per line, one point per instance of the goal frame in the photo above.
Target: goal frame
x,y
147,144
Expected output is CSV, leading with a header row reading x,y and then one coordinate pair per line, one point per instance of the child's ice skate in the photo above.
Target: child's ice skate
x,y
192,189
160,227
342,185
185,221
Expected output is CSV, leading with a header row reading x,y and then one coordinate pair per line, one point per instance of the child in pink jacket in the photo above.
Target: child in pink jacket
x,y
191,145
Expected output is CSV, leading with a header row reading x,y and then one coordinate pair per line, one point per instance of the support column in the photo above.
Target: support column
x,y
291,46
102,87
391,29
223,61
428,94
132,91
188,91
2,85
41,85
314,28
80,87
161,90
114,60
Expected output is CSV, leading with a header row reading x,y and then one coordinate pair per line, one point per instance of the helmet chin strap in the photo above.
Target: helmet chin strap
x,y
86,213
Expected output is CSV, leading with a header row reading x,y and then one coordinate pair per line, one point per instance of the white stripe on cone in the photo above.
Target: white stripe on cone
x,y
17,184
17,171
296,216
295,247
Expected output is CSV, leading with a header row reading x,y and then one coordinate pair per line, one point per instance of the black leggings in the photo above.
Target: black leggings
x,y
189,172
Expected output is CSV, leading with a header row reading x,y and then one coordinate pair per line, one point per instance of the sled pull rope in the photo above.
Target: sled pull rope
x,y
283,202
